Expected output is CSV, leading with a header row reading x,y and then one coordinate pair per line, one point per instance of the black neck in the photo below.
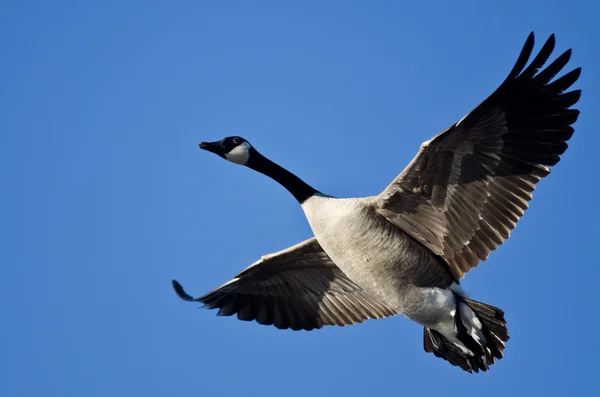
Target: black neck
x,y
299,189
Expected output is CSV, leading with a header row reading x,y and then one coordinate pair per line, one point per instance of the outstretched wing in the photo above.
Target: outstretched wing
x,y
298,288
468,186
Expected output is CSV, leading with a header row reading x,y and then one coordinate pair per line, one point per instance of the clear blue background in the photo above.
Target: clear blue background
x,y
106,196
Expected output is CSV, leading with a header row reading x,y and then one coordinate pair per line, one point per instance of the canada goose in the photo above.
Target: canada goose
x,y
405,250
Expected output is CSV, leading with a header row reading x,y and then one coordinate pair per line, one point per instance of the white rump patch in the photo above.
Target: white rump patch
x,y
239,154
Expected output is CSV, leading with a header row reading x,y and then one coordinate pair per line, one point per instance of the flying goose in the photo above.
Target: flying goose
x,y
405,250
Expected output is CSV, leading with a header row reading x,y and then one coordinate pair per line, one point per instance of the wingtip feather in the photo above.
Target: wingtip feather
x,y
523,57
181,292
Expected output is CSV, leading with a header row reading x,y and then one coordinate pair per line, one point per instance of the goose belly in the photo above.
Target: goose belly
x,y
381,259
367,248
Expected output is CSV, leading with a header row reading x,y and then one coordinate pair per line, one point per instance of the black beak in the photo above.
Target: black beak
x,y
214,147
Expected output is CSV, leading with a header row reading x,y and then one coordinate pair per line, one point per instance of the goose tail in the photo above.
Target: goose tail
x,y
480,336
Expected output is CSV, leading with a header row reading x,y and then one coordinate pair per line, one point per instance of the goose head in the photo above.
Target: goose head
x,y
239,151
233,148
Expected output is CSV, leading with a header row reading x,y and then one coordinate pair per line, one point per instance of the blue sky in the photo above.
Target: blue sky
x,y
106,196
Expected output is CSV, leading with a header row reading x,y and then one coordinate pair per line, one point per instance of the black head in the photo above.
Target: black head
x,y
233,148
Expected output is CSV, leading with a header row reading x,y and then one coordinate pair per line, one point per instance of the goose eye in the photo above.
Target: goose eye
x,y
236,141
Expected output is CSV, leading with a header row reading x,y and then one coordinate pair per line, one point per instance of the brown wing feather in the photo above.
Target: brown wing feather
x,y
298,288
468,186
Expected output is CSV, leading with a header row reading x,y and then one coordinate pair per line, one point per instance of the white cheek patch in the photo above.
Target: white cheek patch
x,y
239,154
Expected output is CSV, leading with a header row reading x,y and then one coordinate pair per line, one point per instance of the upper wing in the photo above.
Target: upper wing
x,y
297,288
468,186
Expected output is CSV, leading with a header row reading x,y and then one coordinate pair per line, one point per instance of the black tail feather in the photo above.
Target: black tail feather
x,y
494,330
494,326
436,343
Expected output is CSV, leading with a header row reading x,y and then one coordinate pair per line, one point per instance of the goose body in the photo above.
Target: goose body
x,y
405,250
404,275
